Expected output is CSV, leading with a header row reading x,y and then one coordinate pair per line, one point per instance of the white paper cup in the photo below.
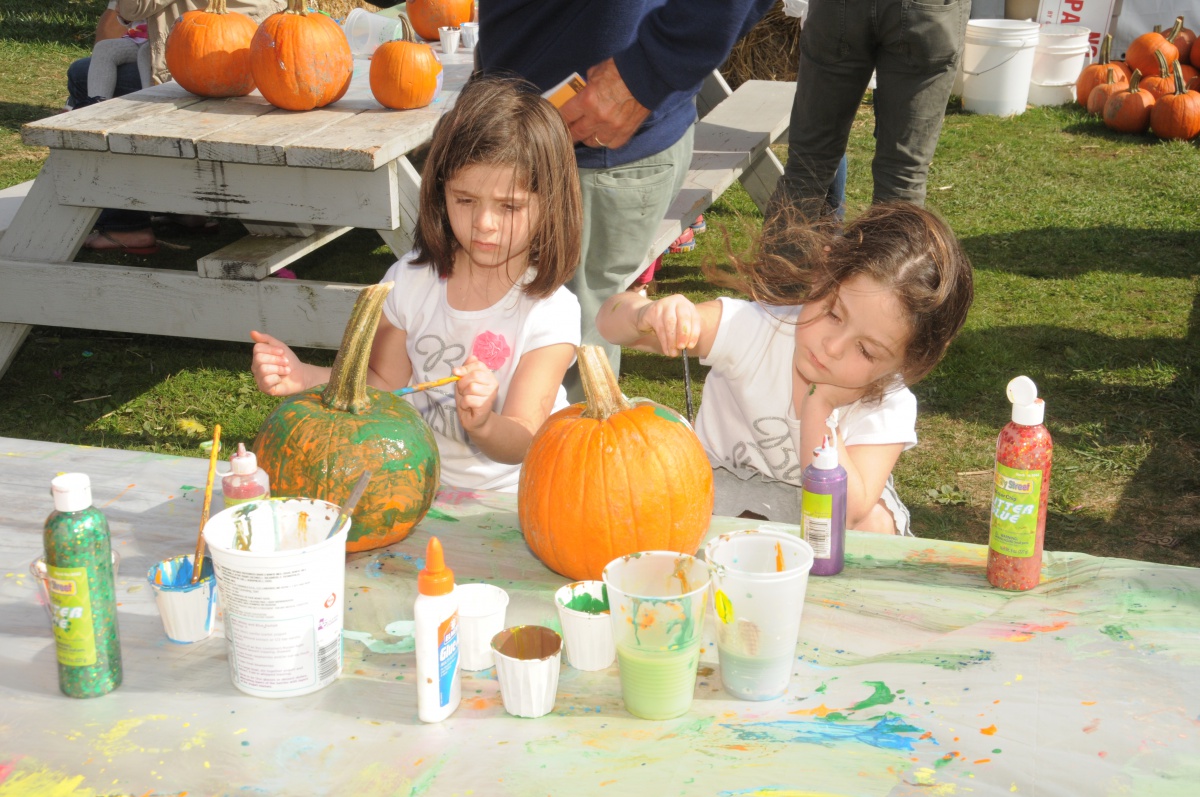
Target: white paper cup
x,y
527,664
587,629
188,610
470,34
450,39
481,609
37,569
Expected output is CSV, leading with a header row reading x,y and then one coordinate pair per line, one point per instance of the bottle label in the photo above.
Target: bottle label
x,y
235,501
447,648
73,633
1015,511
816,522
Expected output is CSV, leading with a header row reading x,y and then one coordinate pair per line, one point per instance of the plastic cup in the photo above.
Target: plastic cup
x,y
187,610
527,665
759,578
366,31
587,628
657,601
481,609
37,569
450,39
470,34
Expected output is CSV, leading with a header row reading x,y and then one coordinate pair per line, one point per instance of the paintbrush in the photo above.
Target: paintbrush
x,y
404,391
687,386
198,559
348,508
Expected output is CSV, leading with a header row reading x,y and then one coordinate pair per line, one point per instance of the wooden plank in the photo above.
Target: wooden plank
x,y
257,257
229,190
265,139
280,230
88,128
174,134
408,195
752,119
760,179
43,229
712,93
10,201
11,338
179,303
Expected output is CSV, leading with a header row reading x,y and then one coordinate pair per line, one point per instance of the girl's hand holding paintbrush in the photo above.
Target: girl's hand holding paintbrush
x,y
475,394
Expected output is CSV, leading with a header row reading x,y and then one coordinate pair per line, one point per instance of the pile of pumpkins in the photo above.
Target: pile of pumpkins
x,y
1155,88
300,60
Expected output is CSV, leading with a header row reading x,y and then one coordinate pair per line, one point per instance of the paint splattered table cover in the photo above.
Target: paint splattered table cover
x,y
912,676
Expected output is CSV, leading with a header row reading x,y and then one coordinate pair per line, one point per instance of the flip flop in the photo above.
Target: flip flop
x,y
121,248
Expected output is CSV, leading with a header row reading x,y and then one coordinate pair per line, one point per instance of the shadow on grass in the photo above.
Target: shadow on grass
x,y
1057,253
15,114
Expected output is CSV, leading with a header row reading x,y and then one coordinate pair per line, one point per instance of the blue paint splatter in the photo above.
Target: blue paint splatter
x,y
885,734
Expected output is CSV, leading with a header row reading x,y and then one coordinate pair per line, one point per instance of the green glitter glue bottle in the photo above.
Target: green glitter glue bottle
x,y
82,591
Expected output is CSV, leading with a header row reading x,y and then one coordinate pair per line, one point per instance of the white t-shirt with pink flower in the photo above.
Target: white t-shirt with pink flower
x,y
440,338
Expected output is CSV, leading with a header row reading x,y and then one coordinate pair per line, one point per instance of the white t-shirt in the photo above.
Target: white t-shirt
x,y
441,338
747,422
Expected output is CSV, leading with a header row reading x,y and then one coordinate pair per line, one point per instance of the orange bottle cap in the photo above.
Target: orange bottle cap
x,y
435,578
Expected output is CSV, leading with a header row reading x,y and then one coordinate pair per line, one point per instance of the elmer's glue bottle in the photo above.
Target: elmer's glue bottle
x,y
435,616
823,510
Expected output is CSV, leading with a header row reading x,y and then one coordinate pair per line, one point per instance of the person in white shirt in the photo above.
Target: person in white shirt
x,y
482,295
840,324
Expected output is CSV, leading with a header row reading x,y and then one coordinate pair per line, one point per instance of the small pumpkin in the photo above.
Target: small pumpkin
x,y
609,478
429,15
1140,54
1161,81
1101,93
1177,115
1195,56
208,51
1184,41
301,61
317,443
405,73
1095,74
1128,111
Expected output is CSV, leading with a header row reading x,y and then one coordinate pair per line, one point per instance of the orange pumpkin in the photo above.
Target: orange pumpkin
x,y
1101,93
1128,111
208,52
1162,81
610,478
1140,54
300,60
1195,58
317,443
405,73
429,15
1177,115
1183,43
1095,74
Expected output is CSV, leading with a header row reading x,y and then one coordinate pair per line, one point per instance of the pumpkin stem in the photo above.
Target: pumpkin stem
x,y
1179,87
347,388
296,7
599,384
1178,26
407,32
217,7
1135,81
1164,71
1106,49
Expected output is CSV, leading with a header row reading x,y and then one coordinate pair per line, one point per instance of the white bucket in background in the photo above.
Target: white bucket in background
x,y
282,578
1040,95
1061,53
998,65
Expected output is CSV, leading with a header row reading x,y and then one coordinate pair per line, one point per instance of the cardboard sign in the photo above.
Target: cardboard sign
x,y
1095,15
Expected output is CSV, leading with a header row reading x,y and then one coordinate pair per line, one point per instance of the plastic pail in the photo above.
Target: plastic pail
x,y
282,578
1051,95
998,65
1060,54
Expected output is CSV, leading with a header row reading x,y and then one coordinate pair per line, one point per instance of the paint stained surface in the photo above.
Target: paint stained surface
x,y
912,676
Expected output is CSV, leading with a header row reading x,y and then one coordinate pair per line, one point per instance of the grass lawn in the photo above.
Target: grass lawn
x,y
1086,246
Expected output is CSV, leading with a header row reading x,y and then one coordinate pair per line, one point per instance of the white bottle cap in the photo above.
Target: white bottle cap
x,y
72,492
243,463
1028,409
825,457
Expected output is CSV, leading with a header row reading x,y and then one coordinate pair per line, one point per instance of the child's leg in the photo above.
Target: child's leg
x,y
107,55
143,63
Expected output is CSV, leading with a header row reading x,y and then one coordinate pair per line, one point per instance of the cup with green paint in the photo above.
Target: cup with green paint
x,y
656,605
587,630
759,578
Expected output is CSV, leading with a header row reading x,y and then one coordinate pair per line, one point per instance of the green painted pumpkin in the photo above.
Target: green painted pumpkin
x,y
317,443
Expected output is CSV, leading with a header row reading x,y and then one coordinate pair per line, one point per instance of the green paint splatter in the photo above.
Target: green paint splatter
x,y
881,697
1116,633
997,750
668,414
186,487
589,604
943,761
436,515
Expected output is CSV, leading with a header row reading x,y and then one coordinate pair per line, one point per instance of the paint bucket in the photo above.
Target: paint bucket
x,y
1062,51
657,601
586,625
527,666
281,569
481,609
759,578
997,65
188,610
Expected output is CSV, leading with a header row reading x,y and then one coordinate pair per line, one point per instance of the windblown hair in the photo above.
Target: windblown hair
x,y
904,247
505,122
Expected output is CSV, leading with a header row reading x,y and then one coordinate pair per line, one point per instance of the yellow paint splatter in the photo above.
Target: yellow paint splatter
x,y
31,780
116,741
820,711
927,779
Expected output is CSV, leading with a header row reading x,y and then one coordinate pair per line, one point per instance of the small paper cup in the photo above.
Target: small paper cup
x,y
187,610
37,569
481,609
450,39
587,628
470,34
527,664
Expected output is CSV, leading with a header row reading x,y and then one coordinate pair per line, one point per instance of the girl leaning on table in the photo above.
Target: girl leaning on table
x,y
839,325
481,295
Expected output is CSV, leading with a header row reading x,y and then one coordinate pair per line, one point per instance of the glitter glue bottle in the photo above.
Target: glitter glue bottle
x,y
82,593
435,617
245,481
823,510
1021,489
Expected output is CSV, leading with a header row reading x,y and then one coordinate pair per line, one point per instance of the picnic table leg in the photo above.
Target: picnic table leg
x,y
760,179
408,197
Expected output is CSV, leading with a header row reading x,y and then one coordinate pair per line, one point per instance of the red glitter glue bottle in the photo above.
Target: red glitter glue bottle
x,y
1021,489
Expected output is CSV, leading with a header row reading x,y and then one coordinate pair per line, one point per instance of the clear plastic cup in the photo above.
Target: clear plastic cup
x,y
481,609
657,601
366,31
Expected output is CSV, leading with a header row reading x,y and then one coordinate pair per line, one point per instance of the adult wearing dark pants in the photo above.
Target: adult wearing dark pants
x,y
643,62
913,48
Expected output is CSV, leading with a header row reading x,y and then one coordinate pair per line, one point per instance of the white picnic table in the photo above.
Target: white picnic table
x,y
303,177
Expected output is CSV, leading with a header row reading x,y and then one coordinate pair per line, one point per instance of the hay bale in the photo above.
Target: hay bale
x,y
338,9
769,51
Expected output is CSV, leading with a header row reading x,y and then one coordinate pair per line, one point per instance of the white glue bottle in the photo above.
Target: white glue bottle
x,y
245,481
435,617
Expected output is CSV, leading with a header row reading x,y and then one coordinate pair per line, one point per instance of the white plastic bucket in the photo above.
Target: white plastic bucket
x,y
1040,95
998,65
282,578
1060,55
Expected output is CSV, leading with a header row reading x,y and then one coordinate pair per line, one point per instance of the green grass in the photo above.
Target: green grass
x,y
1086,246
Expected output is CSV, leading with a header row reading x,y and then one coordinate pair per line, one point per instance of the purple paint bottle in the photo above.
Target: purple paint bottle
x,y
823,510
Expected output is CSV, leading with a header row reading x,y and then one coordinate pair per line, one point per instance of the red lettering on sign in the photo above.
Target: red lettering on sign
x,y
1075,5
1068,17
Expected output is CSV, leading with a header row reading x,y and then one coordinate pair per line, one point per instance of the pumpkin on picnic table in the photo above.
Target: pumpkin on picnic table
x,y
208,51
608,478
429,15
300,60
317,443
405,73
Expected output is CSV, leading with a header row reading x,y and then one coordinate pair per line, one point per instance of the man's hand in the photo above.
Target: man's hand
x,y
604,114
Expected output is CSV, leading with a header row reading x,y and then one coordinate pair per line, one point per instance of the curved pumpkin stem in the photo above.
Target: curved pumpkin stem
x,y
296,7
1135,81
1180,88
1106,49
217,7
347,388
1164,71
1178,26
600,387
